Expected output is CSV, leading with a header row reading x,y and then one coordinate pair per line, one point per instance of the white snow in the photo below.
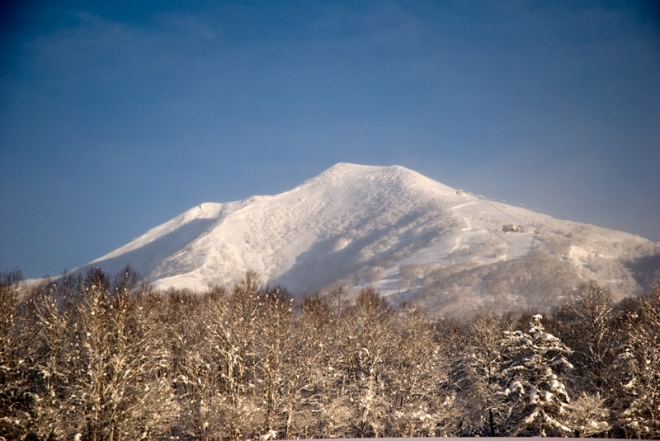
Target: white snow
x,y
337,226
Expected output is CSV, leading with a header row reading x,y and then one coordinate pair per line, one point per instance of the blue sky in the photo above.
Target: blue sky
x,y
117,116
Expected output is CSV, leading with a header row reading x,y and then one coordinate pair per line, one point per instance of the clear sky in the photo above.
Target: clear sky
x,y
116,116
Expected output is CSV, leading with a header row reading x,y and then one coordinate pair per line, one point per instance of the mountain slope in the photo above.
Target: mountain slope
x,y
407,235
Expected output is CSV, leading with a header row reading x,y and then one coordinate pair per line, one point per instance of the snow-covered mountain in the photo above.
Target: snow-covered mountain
x,y
390,227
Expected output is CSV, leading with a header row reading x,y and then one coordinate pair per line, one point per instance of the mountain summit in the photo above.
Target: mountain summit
x,y
395,229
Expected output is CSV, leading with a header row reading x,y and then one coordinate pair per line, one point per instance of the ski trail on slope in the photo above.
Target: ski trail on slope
x,y
461,238
474,232
439,252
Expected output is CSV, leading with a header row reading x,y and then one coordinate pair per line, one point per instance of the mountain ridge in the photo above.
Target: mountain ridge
x,y
356,225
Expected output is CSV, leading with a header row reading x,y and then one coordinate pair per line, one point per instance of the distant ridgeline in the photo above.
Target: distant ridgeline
x,y
99,357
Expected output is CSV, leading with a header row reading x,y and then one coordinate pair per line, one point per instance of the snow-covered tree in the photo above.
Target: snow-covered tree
x,y
636,370
216,357
369,338
311,400
533,389
16,399
325,406
421,400
584,324
55,351
588,416
104,370
277,353
477,376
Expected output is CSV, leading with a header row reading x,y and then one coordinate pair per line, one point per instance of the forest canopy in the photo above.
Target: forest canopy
x,y
101,357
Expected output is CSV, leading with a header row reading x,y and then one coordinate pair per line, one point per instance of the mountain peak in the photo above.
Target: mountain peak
x,y
387,226
392,178
345,169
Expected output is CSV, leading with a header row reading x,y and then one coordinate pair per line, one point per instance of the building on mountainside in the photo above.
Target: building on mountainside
x,y
512,228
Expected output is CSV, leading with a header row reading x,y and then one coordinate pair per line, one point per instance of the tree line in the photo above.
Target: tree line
x,y
94,357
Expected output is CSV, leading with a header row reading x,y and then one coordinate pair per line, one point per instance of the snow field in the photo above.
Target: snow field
x,y
357,225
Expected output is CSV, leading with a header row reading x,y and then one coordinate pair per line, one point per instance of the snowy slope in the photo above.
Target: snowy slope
x,y
354,225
